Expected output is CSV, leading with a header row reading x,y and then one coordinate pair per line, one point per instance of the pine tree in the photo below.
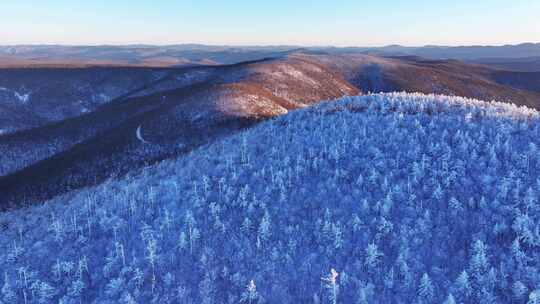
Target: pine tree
x,y
250,295
337,236
438,193
426,290
519,256
365,293
455,205
182,241
8,294
151,248
330,282
450,299
264,227
463,284
114,287
76,289
246,225
372,256
519,290
127,298
194,235
45,293
362,297
207,289
479,264
389,279
534,297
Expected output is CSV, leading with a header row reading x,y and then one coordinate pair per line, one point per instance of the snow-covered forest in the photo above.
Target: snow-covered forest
x,y
385,198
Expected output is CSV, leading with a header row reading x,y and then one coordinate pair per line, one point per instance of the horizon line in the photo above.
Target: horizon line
x,y
259,45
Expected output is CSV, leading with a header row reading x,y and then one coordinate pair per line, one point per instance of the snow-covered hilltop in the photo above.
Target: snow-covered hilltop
x,y
388,198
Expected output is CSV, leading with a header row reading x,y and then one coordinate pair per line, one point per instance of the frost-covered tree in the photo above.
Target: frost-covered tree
x,y
45,292
534,297
463,285
385,187
331,284
207,289
8,294
373,256
450,300
426,290
114,288
264,227
77,288
250,295
519,290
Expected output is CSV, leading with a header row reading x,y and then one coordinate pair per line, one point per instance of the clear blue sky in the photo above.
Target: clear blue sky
x,y
255,22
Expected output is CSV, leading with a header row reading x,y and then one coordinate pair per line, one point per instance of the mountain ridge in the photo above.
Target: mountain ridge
x,y
186,116
386,193
189,54
187,107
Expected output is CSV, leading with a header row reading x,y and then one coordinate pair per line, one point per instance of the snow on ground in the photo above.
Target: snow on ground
x,y
21,97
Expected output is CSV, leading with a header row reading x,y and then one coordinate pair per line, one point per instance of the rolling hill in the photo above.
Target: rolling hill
x,y
33,97
185,109
196,54
154,113
448,77
527,64
385,198
133,55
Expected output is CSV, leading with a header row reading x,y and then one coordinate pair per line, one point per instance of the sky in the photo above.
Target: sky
x,y
276,22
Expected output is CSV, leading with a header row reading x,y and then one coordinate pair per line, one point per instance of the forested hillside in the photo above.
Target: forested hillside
x,y
387,198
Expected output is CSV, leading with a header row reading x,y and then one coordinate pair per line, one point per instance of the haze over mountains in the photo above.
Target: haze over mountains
x,y
133,55
194,54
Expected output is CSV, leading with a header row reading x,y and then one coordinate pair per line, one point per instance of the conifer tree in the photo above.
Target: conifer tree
x,y
330,282
463,284
250,295
373,256
519,290
426,291
45,292
450,299
8,294
534,297
264,227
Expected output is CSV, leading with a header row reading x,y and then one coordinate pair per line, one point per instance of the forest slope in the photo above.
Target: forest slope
x,y
388,198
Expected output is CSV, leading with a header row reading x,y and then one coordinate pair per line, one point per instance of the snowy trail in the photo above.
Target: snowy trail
x,y
139,135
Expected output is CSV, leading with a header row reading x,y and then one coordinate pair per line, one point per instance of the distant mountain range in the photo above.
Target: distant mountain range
x,y
132,55
194,54
452,52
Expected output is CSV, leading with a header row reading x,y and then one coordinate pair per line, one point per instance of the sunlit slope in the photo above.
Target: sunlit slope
x,y
186,109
